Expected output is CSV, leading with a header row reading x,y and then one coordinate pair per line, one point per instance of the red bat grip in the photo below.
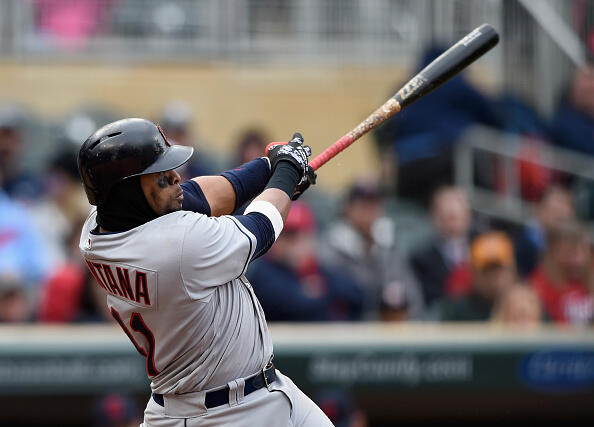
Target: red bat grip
x,y
390,107
273,144
331,151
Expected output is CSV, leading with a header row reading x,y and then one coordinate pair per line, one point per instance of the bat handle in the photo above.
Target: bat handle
x,y
390,107
325,156
272,145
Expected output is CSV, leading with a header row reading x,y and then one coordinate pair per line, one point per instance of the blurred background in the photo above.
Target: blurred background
x,y
441,270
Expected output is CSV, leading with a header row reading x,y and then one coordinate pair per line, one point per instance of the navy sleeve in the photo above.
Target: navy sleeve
x,y
248,180
194,199
261,227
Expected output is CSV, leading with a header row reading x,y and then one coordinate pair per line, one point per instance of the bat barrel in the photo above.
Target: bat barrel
x,y
448,64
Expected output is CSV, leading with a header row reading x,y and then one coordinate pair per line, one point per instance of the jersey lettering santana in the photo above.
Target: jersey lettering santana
x,y
176,286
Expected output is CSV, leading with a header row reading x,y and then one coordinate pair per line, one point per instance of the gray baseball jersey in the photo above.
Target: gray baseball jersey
x,y
176,286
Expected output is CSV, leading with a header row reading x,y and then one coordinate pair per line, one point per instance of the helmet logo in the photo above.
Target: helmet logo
x,y
163,135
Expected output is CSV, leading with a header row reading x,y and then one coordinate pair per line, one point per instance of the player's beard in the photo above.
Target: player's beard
x,y
173,205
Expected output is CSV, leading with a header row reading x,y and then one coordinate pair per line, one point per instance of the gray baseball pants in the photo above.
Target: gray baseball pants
x,y
282,404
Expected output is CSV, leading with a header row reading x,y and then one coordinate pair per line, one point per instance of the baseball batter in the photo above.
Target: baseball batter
x,y
172,258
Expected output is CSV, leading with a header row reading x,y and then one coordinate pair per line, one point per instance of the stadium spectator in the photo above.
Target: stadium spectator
x,y
70,22
423,147
341,408
116,410
62,206
70,294
176,122
573,122
21,249
519,307
14,306
573,128
493,268
562,280
250,145
555,206
293,285
18,183
61,295
441,265
362,243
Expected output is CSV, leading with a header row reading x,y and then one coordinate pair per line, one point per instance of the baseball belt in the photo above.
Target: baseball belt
x,y
221,397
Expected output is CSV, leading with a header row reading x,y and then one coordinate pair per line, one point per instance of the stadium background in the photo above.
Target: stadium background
x,y
276,66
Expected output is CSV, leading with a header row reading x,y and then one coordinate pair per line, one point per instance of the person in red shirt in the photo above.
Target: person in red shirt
x,y
562,278
311,290
69,293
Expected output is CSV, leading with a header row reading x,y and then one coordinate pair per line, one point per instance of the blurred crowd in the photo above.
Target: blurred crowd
x,y
118,410
400,244
343,263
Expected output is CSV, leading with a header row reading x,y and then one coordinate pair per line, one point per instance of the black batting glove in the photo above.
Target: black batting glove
x,y
308,180
293,152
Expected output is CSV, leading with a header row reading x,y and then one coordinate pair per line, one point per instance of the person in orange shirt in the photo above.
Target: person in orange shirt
x,y
494,273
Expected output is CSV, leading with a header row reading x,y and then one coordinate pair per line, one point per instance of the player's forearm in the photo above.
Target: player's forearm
x,y
234,188
275,200
281,187
219,194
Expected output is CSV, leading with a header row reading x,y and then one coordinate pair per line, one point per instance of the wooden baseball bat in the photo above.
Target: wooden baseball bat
x,y
448,64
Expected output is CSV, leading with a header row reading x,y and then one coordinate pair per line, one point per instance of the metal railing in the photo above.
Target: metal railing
x,y
342,31
480,145
533,59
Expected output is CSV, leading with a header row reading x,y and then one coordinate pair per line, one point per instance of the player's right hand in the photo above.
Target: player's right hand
x,y
293,151
306,182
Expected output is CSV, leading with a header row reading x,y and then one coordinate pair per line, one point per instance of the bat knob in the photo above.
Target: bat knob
x,y
272,145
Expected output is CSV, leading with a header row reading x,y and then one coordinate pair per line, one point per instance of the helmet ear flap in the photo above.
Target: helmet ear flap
x,y
87,179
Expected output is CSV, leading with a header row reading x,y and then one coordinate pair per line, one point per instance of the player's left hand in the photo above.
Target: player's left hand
x,y
293,151
297,153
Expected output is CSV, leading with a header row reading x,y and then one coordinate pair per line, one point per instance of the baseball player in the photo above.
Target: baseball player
x,y
172,258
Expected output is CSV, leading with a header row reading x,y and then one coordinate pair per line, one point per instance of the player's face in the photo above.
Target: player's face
x,y
163,191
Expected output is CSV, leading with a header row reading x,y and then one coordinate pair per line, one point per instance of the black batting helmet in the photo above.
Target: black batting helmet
x,y
123,149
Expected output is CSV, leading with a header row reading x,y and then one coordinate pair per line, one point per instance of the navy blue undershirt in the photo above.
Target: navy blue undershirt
x,y
248,180
194,199
261,227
